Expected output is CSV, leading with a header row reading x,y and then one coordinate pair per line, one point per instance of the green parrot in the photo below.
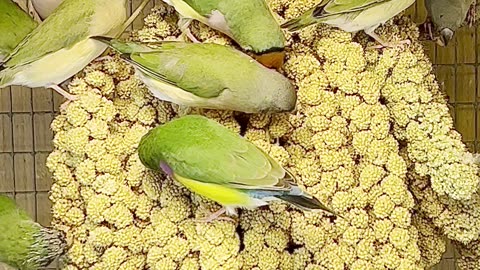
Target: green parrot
x,y
25,244
214,162
60,46
207,75
15,24
353,16
447,16
249,22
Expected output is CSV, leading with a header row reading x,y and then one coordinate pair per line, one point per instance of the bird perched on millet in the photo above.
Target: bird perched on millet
x,y
447,16
217,163
25,244
353,16
15,24
60,46
207,75
249,22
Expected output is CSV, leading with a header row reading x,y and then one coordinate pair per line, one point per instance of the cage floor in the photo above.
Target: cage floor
x,y
26,138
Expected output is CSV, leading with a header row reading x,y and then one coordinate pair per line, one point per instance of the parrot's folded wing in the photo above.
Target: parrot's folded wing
x,y
214,154
55,33
345,6
245,168
188,74
328,8
147,70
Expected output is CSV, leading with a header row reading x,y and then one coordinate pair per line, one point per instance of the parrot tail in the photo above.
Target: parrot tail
x,y
304,20
305,203
303,200
123,47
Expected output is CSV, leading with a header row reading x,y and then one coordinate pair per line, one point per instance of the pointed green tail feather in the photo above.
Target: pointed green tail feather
x,y
123,47
303,21
306,203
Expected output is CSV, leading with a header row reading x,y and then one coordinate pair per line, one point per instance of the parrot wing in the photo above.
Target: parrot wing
x,y
328,8
345,6
210,153
15,24
181,67
55,33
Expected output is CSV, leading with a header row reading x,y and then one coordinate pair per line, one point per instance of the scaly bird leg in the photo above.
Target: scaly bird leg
x,y
216,216
472,14
103,58
430,31
184,24
384,44
65,94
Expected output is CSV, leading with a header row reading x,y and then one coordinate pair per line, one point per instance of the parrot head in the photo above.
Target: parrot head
x,y
284,100
446,34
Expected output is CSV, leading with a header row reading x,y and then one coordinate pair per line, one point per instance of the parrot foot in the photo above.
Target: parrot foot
x,y
391,44
103,58
183,25
384,44
429,29
189,35
64,105
472,14
216,216
65,94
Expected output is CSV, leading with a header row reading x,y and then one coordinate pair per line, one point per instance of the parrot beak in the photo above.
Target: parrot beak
x,y
271,59
446,36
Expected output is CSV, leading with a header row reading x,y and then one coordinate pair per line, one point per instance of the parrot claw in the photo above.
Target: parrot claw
x,y
216,216
183,24
103,58
471,15
428,29
391,44
65,94
384,44
190,36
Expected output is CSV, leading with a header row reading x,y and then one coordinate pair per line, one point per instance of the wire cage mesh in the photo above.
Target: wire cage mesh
x,y
26,114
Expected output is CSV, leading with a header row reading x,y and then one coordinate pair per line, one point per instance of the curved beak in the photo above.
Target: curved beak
x,y
272,59
446,35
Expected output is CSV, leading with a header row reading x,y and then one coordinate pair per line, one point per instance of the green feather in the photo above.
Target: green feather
x,y
249,22
242,162
15,24
350,15
25,244
60,46
55,33
217,163
207,75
